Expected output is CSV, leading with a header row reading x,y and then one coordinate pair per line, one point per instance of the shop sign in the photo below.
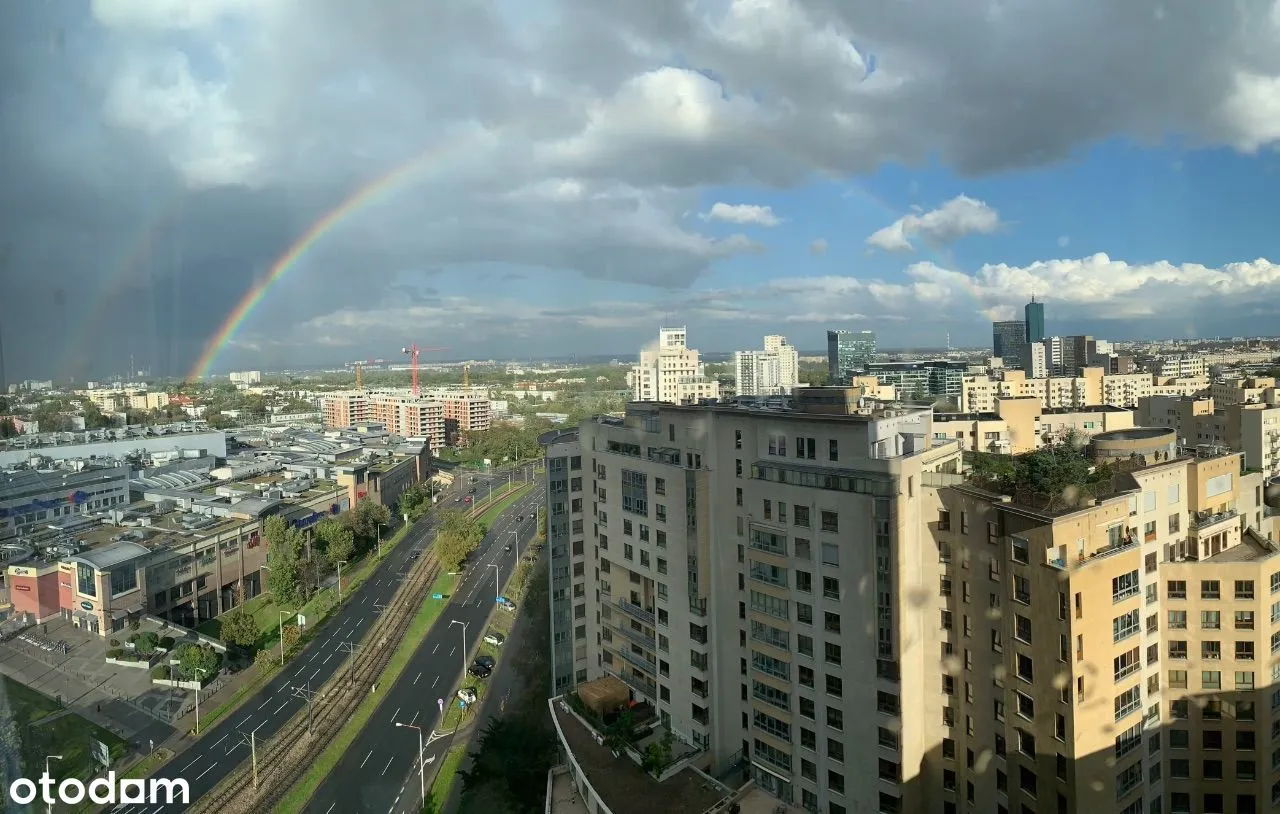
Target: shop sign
x,y
87,605
22,587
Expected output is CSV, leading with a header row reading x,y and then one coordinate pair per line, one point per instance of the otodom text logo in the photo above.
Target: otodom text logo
x,y
102,791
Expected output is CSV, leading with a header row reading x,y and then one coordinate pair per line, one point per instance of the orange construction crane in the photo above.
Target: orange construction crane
x,y
466,376
359,376
412,351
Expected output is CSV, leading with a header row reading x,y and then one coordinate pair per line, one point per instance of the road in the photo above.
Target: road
x,y
379,772
220,750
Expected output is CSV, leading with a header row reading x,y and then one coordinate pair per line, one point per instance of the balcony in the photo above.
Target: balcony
x,y
637,612
639,662
647,688
639,638
1204,523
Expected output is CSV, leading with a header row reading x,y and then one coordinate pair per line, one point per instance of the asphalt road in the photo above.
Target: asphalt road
x,y
379,772
222,749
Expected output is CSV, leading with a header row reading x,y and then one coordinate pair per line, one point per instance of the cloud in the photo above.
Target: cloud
x,y
957,218
1064,241
742,214
818,247
562,137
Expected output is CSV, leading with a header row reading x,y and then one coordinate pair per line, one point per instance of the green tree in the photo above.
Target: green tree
x,y
196,661
146,642
8,429
457,535
336,539
240,628
364,520
284,553
292,639
94,419
509,767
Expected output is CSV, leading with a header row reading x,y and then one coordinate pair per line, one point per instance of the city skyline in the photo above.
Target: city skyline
x,y
579,213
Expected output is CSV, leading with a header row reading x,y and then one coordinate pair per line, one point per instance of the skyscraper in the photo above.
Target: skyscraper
x,y
4,384
848,352
769,372
1007,341
1034,313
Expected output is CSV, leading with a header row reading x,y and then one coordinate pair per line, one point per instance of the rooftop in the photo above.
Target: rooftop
x,y
623,786
112,555
1092,408
1252,547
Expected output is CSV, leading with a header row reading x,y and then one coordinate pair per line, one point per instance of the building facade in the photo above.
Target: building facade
x,y
1033,316
849,353
571,563
671,372
940,378
1007,341
772,371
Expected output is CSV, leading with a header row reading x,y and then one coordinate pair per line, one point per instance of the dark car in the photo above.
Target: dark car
x,y
484,661
479,671
472,491
519,518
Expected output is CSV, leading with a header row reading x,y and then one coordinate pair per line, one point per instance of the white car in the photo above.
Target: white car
x,y
467,695
495,639
509,606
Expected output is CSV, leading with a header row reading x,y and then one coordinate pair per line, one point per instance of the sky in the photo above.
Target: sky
x,y
567,175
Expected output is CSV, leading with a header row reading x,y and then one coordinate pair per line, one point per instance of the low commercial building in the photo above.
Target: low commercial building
x,y
191,439
31,498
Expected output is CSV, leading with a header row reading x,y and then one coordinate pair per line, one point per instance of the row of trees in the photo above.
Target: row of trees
x,y
457,535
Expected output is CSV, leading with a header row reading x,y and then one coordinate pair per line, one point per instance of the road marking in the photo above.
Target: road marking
x,y
388,766
415,718
224,737
435,649
394,714
434,683
282,706
264,703
192,763
316,673
366,758
233,748
326,661
331,807
206,771
415,679
453,650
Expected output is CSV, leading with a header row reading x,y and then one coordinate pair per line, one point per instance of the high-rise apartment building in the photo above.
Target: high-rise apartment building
x,y
773,371
671,372
402,415
821,591
1007,341
848,353
1033,314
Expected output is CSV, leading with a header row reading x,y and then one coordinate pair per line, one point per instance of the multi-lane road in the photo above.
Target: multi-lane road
x,y
379,772
220,750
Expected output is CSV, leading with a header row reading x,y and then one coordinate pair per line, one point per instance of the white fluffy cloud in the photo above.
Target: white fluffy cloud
x,y
745,214
957,218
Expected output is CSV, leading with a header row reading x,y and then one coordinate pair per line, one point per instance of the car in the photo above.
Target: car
x,y
467,500
495,639
479,671
519,518
415,554
484,661
507,547
509,606
472,491
467,695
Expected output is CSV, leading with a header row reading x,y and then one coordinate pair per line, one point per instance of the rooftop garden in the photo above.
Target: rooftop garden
x,y
1057,477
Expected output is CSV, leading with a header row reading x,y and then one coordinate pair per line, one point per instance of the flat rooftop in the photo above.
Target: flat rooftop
x,y
1251,549
624,787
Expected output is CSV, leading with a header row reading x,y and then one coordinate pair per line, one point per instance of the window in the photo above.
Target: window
x,y
1210,620
635,492
1124,586
1124,626
830,521
800,515
1177,620
1128,702
1176,589
86,580
1021,550
833,450
1210,589
1244,589
830,554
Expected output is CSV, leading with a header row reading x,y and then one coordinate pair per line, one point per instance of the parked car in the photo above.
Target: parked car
x,y
519,518
479,671
507,547
495,639
467,694
509,606
485,661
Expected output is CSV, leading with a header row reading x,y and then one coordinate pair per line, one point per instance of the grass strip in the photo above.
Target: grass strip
x,y
500,505
301,792
438,794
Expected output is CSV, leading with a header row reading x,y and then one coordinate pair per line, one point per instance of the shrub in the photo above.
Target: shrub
x,y
115,653
146,643
167,642
161,672
115,642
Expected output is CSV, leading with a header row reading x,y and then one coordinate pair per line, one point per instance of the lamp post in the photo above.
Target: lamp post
x,y
201,672
380,525
464,637
283,614
422,782
340,564
497,591
515,537
47,758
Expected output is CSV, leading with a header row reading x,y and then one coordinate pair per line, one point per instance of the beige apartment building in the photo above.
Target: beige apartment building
x,y
1251,427
671,371
1020,424
402,415
1091,388
986,648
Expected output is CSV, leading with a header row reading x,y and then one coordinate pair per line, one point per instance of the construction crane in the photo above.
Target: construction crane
x,y
359,376
466,376
412,352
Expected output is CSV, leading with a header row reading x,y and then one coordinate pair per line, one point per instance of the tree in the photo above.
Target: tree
x,y
8,429
621,733
292,638
457,535
94,418
195,661
145,643
335,538
509,768
284,552
240,628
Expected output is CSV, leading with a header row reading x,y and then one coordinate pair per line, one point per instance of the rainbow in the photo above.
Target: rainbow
x,y
362,197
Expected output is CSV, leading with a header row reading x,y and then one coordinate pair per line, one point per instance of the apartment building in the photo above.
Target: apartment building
x,y
1091,387
929,379
1240,390
403,415
1008,338
1253,428
573,568
671,372
1021,425
119,399
717,536
464,413
1181,367
849,353
773,371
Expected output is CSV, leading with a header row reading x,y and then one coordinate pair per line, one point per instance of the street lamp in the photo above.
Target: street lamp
x,y
198,677
422,782
464,637
283,614
47,773
515,535
340,564
497,591
380,525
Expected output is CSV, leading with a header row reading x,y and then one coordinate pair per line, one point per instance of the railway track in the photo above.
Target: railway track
x,y
285,758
